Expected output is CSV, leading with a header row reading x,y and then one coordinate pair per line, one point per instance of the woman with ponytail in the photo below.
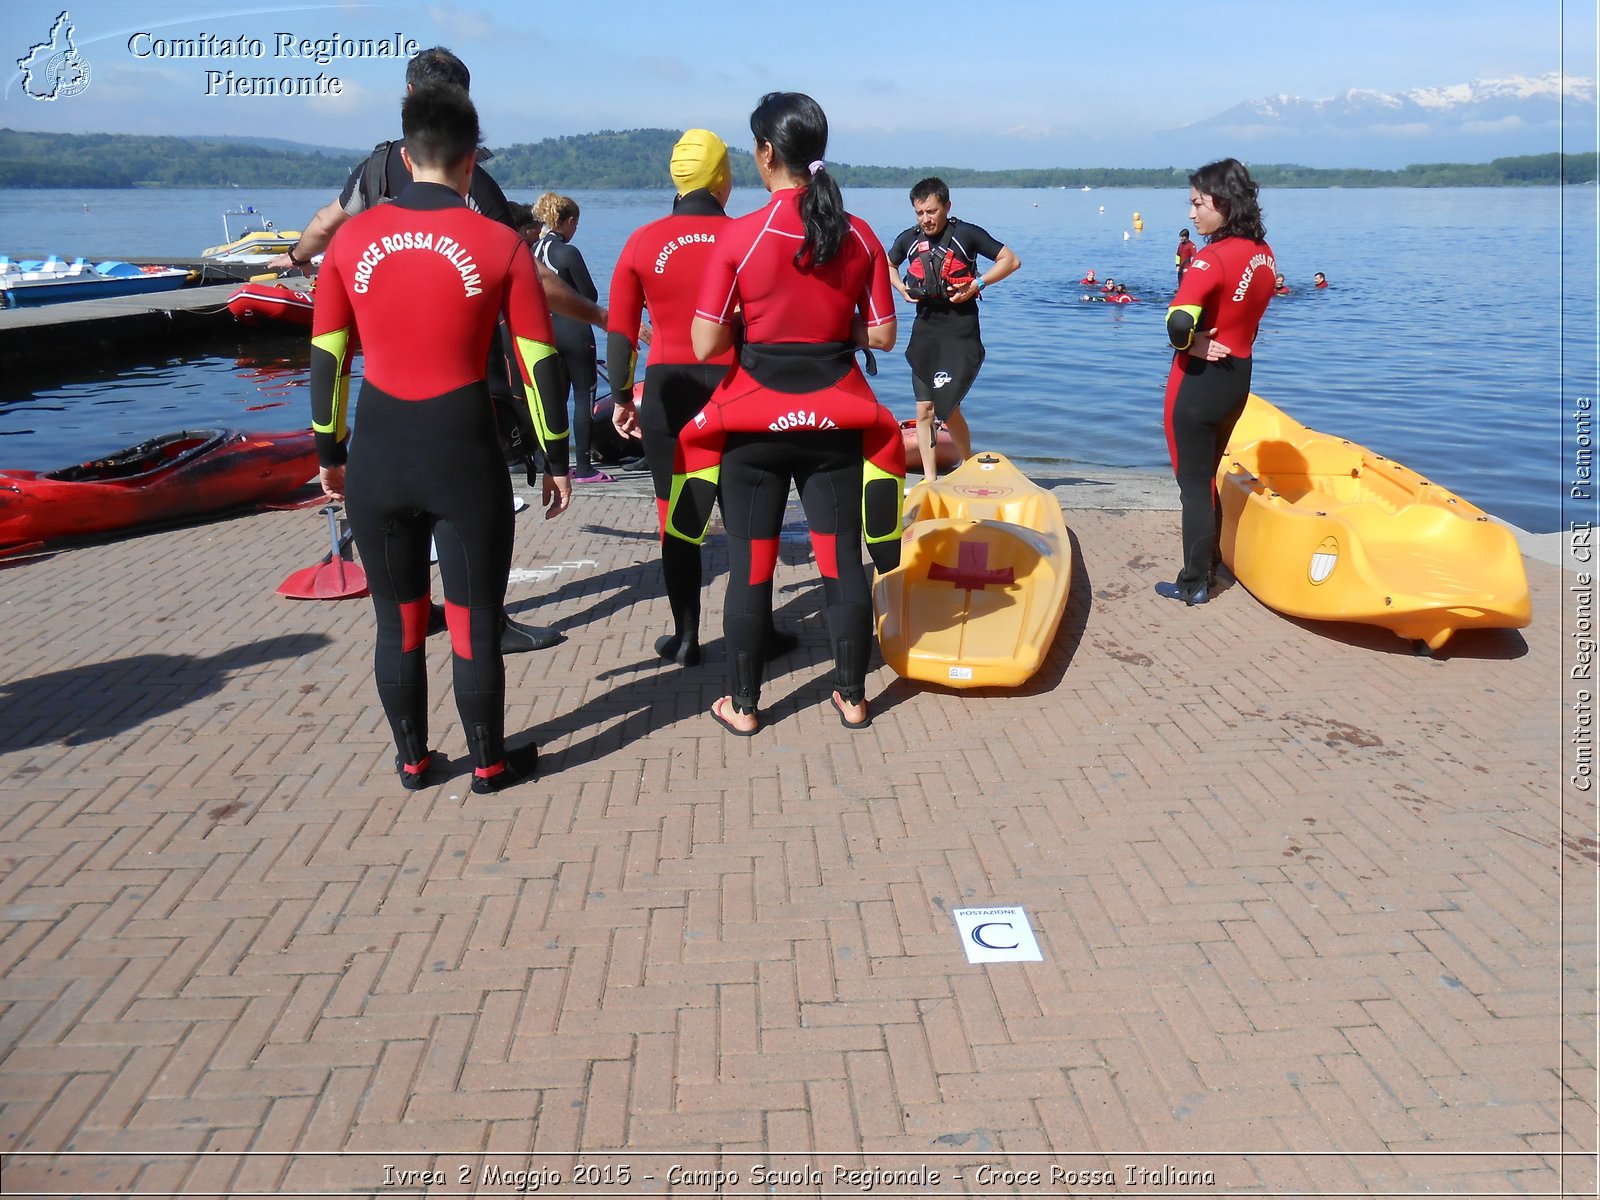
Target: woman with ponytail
x,y
811,286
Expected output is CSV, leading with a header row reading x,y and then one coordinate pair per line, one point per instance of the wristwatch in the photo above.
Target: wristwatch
x,y
295,260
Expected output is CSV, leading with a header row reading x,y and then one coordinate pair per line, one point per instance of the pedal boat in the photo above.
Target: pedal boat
x,y
1322,528
985,568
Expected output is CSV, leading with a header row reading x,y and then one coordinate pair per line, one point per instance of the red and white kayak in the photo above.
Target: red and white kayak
x,y
167,478
944,447
272,302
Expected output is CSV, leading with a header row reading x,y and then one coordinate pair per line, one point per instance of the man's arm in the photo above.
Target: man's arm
x,y
314,238
567,302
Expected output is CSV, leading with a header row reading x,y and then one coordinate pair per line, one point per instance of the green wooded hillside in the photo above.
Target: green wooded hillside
x,y
637,158
119,160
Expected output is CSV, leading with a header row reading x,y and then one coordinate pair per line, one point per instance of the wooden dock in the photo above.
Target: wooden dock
x,y
77,328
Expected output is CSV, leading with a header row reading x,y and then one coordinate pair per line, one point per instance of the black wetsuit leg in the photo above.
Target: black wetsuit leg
x,y
433,468
1210,398
673,394
575,346
757,469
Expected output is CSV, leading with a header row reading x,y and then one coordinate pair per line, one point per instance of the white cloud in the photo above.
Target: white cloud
x,y
1413,129
1504,125
463,24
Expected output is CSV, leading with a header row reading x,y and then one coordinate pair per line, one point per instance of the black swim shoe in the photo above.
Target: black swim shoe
x,y
672,648
1171,591
414,776
518,766
516,638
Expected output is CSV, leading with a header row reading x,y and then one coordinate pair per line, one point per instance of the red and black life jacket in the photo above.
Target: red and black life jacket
x,y
932,271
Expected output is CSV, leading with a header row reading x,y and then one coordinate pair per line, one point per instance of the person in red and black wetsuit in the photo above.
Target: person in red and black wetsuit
x,y
1185,254
423,282
661,268
813,286
1212,325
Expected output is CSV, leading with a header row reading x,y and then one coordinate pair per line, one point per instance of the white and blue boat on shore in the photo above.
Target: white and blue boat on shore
x,y
54,280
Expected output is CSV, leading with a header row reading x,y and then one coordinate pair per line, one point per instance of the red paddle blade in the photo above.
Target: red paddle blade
x,y
340,580
336,580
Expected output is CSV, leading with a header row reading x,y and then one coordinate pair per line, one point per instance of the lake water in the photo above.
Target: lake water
x,y
1454,324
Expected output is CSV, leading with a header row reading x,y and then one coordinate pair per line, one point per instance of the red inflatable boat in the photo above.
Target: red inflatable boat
x,y
167,478
944,447
272,302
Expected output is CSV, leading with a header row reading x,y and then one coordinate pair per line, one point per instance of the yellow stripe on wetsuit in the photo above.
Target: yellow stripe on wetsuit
x,y
531,353
1182,321
708,479
872,474
336,345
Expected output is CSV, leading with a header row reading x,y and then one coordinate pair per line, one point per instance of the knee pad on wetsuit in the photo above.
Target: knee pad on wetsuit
x,y
882,515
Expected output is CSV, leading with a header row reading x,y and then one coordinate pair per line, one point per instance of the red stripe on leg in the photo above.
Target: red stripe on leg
x,y
414,623
460,622
763,559
825,546
661,518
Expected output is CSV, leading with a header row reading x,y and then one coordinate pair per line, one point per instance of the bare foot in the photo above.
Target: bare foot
x,y
851,716
731,719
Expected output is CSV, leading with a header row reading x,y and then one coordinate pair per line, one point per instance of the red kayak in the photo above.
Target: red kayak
x,y
944,447
167,478
271,302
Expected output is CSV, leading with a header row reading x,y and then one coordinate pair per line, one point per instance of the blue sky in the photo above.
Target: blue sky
x,y
996,84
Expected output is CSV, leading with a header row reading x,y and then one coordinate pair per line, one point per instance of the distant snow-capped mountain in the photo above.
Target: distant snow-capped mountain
x,y
1486,118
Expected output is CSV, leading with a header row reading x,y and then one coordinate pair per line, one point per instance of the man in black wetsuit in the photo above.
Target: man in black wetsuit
x,y
942,279
380,178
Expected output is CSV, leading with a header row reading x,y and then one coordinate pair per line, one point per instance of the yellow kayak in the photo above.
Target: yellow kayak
x,y
984,572
1315,526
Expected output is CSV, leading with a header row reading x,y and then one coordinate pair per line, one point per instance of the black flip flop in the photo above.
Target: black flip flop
x,y
730,726
833,699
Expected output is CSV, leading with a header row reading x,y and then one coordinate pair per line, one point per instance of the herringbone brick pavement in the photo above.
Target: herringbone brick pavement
x,y
1317,915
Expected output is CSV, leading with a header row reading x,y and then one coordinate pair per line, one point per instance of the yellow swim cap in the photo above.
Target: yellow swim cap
x,y
700,160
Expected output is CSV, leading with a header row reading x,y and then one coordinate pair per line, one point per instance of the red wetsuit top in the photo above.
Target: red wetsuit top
x,y
424,280
1186,250
753,266
1227,287
1323,284
788,308
1088,279
661,267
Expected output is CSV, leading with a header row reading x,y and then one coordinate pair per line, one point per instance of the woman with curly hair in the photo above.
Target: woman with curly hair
x,y
1212,324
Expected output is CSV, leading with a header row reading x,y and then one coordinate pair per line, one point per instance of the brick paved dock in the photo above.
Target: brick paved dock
x,y
1313,914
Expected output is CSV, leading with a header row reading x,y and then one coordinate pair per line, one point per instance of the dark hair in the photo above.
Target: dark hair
x,y
440,125
931,186
1228,183
1183,235
796,128
437,65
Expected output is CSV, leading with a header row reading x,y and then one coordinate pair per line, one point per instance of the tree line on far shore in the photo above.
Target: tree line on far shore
x,y
636,158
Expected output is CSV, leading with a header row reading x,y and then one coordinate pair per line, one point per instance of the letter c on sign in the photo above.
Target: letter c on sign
x,y
977,935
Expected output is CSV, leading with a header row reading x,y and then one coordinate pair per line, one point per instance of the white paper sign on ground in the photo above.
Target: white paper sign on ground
x,y
996,935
